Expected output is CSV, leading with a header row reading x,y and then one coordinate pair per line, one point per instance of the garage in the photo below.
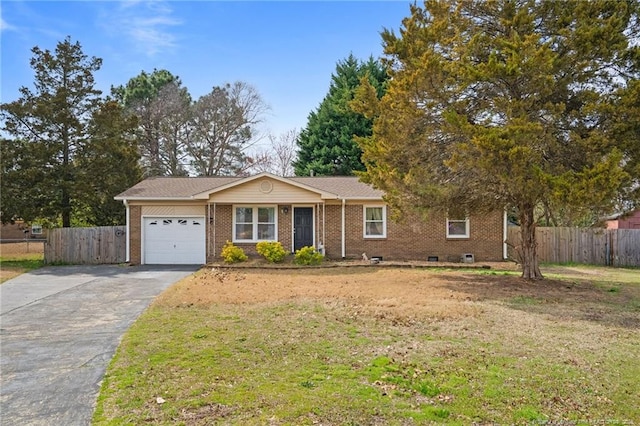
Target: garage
x,y
174,240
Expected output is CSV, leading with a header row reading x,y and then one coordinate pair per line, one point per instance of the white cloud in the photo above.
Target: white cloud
x,y
146,24
5,26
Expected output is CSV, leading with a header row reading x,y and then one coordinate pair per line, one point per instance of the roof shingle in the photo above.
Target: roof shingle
x,y
348,187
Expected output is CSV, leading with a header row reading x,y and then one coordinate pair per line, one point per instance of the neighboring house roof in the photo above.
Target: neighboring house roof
x,y
622,215
190,188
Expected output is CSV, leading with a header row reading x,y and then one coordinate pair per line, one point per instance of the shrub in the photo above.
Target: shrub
x,y
271,250
308,256
232,254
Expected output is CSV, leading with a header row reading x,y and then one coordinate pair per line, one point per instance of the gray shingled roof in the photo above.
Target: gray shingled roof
x,y
174,187
343,186
186,187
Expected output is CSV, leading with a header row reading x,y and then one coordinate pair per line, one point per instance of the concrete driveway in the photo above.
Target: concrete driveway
x,y
59,328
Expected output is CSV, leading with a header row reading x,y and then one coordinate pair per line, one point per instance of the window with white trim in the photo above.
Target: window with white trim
x,y
254,223
375,221
458,228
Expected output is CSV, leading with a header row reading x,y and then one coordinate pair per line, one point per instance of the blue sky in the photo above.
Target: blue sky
x,y
286,50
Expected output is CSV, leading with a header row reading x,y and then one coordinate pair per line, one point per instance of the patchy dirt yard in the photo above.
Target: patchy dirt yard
x,y
13,250
17,258
374,345
410,293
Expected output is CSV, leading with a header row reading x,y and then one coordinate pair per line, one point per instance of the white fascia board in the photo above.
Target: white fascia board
x,y
363,199
154,198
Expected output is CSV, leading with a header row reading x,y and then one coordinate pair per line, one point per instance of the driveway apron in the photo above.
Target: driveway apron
x,y
59,328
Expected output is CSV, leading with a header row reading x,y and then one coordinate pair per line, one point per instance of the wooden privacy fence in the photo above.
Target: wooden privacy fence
x,y
101,244
593,246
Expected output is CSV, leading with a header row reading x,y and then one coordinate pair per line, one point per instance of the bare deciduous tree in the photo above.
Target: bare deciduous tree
x,y
279,156
224,124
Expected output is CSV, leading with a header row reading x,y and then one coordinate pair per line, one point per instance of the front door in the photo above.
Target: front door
x,y
302,227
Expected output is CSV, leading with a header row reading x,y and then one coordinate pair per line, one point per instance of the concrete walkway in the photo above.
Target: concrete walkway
x,y
59,328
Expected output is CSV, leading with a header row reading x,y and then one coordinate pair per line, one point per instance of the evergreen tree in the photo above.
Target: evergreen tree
x,y
516,104
107,166
326,145
23,193
161,105
49,126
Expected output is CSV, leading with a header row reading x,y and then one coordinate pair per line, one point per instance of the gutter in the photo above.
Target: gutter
x,y
190,198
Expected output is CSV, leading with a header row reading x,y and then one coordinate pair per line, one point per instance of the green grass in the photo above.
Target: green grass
x,y
522,360
18,264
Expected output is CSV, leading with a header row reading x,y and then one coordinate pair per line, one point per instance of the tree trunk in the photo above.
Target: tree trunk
x,y
530,266
67,179
66,209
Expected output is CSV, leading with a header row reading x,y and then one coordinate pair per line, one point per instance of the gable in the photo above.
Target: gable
x,y
265,190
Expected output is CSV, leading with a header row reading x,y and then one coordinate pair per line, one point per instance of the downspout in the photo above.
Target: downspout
x,y
344,231
208,227
505,235
127,257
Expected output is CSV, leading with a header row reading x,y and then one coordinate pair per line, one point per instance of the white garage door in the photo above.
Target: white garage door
x,y
174,240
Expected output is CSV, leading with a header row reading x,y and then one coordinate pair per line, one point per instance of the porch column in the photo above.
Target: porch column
x,y
505,235
343,230
127,257
324,228
213,233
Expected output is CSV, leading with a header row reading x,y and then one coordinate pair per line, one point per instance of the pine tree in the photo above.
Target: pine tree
x,y
516,104
107,166
326,145
161,105
49,126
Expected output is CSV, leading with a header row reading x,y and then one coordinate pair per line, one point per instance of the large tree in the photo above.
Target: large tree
x,y
161,104
48,127
107,166
507,103
326,145
278,157
223,125
24,183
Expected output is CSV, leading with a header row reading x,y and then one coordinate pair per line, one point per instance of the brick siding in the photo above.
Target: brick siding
x,y
416,238
412,239
224,231
135,235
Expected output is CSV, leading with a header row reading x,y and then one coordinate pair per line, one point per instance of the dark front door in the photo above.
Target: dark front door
x,y
302,227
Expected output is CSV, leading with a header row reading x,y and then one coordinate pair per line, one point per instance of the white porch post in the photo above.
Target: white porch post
x,y
213,249
127,257
324,227
344,231
505,235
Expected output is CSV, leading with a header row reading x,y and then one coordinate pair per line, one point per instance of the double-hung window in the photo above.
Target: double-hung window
x,y
254,223
375,222
458,227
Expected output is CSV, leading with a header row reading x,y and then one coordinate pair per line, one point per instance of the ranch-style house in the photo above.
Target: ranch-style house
x,y
187,220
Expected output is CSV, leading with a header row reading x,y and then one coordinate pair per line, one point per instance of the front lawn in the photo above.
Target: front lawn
x,y
18,258
374,346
